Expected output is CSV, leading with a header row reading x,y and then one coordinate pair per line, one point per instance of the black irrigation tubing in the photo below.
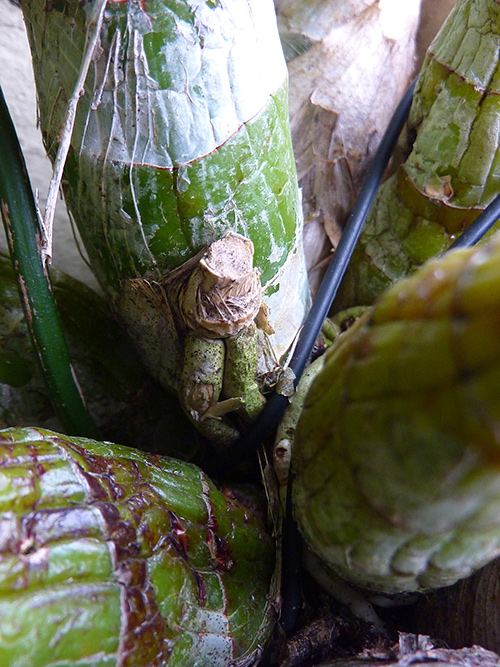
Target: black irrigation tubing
x,y
291,567
479,227
276,404
291,539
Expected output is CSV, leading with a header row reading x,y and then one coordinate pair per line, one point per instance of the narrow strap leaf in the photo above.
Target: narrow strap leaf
x,y
22,227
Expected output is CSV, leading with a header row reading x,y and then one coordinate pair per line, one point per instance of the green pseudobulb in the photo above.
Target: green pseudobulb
x,y
110,556
450,168
182,135
397,459
181,139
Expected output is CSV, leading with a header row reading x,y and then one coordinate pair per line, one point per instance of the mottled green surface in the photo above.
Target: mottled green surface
x,y
397,457
142,216
451,170
242,187
110,556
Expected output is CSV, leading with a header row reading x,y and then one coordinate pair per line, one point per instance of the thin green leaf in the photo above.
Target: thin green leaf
x,y
22,227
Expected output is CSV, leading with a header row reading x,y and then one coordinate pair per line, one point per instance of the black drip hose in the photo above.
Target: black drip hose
x,y
478,228
276,404
292,540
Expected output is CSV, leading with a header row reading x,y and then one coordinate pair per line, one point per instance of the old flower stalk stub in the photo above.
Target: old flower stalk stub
x,y
210,322
222,294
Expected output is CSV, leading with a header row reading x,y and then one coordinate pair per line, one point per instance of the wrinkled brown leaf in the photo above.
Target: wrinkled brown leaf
x,y
349,64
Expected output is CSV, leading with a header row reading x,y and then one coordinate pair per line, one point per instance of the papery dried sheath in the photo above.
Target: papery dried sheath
x,y
397,458
112,557
341,99
451,170
181,136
